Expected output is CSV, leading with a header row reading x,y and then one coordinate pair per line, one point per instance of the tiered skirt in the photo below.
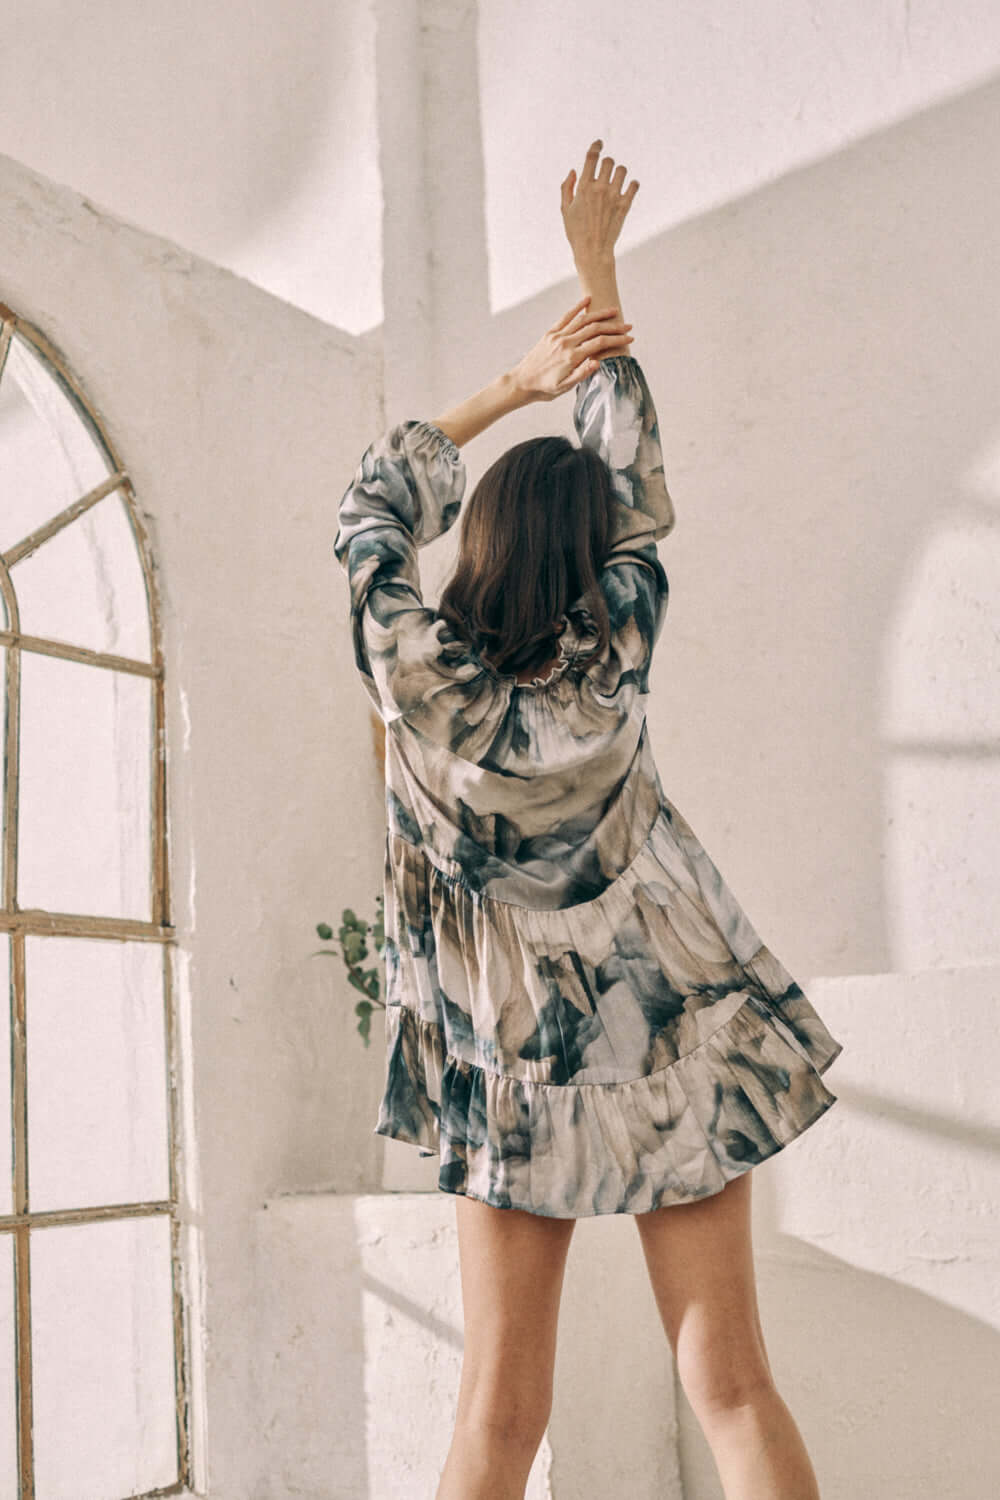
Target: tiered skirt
x,y
626,1053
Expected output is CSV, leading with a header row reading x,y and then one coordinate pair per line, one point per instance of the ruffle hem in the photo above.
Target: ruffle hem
x,y
573,1150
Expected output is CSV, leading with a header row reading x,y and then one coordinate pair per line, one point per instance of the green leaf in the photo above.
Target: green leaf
x,y
355,948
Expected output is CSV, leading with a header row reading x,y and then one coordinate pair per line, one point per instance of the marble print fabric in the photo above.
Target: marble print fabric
x,y
580,1018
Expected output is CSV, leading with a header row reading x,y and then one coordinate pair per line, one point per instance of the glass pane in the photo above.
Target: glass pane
x,y
84,820
103,1359
85,584
8,1370
50,458
4,731
6,1135
97,1072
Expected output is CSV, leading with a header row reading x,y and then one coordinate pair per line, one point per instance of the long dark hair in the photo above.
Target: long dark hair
x,y
533,537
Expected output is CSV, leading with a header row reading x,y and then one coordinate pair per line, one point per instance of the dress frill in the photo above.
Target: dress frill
x,y
737,1091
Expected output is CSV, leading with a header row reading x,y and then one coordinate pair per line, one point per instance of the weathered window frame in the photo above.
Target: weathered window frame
x,y
21,923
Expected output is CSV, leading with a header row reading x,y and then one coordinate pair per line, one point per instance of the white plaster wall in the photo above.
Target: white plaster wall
x,y
707,103
243,132
358,1356
246,133
239,420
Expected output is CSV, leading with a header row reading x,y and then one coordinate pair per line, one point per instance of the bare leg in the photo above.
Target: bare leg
x,y
700,1261
512,1266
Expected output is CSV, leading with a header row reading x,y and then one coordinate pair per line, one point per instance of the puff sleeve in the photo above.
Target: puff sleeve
x,y
407,490
614,414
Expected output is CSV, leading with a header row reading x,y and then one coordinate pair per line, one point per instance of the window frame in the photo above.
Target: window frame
x,y
17,924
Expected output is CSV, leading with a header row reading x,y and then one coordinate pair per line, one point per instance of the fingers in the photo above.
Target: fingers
x,y
581,320
580,373
568,317
588,325
590,364
580,315
590,335
590,161
616,343
591,176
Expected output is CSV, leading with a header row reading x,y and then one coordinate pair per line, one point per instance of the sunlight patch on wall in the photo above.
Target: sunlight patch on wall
x,y
704,104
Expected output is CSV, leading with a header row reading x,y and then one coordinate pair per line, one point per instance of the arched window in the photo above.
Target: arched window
x,y
92,1358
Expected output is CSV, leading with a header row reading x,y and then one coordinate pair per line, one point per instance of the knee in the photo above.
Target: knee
x,y
508,1431
717,1385
506,1415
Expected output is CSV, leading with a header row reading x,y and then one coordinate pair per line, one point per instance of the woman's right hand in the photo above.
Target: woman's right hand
x,y
594,214
569,351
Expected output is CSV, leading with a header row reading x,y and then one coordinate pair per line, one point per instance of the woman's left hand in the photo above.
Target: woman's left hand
x,y
570,350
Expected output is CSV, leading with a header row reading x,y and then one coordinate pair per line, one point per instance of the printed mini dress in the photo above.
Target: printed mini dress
x,y
580,1018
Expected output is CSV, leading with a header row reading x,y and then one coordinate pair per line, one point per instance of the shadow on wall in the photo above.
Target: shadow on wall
x,y
821,354
291,94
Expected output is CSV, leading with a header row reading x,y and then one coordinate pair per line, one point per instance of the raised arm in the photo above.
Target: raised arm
x,y
614,414
614,411
564,355
593,212
407,490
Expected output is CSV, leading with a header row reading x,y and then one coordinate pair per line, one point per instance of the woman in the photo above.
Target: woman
x,y
580,1018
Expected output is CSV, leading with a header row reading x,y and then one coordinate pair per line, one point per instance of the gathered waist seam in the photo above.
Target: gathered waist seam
x,y
454,877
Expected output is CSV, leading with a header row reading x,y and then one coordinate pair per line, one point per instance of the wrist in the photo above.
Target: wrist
x,y
599,280
470,417
594,260
512,392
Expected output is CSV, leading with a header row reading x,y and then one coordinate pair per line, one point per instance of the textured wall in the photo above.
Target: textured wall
x,y
247,135
243,132
706,102
358,1348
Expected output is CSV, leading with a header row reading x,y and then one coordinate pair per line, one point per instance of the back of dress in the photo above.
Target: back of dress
x,y
580,1018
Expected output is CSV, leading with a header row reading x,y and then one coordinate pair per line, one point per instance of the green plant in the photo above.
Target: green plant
x,y
352,938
